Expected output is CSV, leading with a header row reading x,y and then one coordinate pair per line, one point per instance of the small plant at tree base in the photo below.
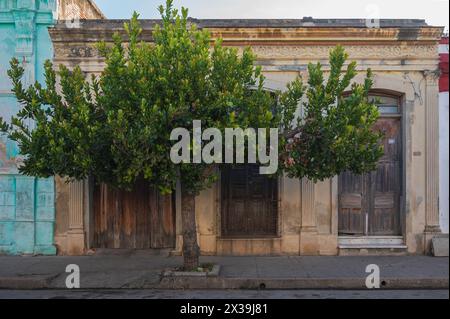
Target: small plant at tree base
x,y
116,127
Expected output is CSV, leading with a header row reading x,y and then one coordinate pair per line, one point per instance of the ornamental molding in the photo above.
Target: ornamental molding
x,y
283,52
24,22
354,51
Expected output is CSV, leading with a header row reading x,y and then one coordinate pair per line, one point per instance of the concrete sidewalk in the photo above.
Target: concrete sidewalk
x,y
142,270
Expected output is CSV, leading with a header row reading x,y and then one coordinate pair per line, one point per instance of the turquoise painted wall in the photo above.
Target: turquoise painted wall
x,y
27,204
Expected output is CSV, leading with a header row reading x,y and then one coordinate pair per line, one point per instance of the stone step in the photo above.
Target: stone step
x,y
371,240
372,245
373,251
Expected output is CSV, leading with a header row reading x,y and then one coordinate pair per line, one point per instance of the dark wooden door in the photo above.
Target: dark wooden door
x,y
139,219
369,204
249,202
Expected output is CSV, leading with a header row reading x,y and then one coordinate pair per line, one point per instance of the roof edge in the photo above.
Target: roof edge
x,y
281,23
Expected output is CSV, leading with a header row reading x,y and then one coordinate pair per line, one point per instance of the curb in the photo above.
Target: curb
x,y
300,283
27,282
210,282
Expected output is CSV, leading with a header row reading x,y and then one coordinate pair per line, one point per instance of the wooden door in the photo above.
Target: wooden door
x,y
249,202
139,219
369,204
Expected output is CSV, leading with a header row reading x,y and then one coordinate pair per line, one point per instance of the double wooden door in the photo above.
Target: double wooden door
x,y
139,219
369,204
249,202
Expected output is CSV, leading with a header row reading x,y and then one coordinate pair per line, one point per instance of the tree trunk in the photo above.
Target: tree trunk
x,y
191,250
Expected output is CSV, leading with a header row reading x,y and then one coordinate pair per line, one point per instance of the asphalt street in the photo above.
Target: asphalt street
x,y
224,294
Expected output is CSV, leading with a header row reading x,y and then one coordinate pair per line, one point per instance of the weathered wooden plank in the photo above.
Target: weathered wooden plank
x,y
162,221
143,231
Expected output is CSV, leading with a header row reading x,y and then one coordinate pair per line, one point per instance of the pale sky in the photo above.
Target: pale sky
x,y
435,12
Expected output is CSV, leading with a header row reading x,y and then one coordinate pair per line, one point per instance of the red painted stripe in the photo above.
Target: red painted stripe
x,y
443,66
443,80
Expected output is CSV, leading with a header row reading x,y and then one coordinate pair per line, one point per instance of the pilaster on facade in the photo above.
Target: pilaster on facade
x,y
432,226
309,244
76,234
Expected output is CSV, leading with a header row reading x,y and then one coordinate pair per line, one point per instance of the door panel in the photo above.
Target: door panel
x,y
249,202
351,205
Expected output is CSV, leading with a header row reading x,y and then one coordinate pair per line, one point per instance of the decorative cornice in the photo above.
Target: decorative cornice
x,y
328,34
255,34
293,43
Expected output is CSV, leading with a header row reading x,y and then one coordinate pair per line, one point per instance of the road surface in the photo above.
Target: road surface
x,y
224,294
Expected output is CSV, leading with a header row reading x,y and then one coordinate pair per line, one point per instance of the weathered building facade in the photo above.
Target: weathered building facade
x,y
27,204
392,210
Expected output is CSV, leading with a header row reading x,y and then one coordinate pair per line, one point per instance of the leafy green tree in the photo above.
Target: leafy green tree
x,y
116,127
335,132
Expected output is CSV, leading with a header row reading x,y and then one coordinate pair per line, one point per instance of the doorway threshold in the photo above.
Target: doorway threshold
x,y
371,242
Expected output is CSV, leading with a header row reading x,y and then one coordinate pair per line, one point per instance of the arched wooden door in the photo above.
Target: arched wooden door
x,y
369,204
